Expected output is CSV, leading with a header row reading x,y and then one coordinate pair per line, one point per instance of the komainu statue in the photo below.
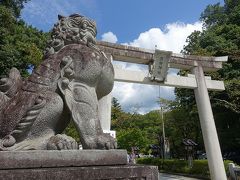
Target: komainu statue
x,y
74,75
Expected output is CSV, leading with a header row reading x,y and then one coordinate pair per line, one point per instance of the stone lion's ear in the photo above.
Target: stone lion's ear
x,y
60,17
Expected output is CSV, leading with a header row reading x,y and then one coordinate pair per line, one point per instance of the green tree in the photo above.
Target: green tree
x,y
116,109
21,46
14,5
145,130
132,138
180,123
220,37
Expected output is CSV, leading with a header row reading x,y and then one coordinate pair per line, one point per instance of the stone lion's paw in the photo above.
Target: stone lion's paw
x,y
61,142
105,141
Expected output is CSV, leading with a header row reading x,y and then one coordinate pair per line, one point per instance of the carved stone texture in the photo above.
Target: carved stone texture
x,y
74,75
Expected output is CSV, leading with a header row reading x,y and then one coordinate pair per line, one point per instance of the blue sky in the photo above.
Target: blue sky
x,y
126,18
141,23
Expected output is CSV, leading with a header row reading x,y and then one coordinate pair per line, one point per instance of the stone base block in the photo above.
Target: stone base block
x,y
63,158
124,172
72,165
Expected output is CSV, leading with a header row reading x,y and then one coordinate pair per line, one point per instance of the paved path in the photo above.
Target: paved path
x,y
164,176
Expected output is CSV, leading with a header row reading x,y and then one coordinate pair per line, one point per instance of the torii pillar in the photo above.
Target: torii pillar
x,y
211,142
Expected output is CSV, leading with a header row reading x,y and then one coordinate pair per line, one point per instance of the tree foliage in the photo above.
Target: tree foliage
x,y
132,138
15,6
147,129
21,46
135,129
220,37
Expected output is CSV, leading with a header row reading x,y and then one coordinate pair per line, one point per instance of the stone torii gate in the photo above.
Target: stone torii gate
x,y
159,62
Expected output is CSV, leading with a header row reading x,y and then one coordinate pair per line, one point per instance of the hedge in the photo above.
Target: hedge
x,y
199,168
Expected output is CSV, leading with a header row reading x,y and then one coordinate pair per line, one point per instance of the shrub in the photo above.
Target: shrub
x,y
200,167
178,166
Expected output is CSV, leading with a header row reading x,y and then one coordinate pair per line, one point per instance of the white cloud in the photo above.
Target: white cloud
x,y
172,38
143,97
109,37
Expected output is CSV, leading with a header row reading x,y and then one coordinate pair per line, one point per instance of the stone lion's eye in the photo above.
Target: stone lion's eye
x,y
84,25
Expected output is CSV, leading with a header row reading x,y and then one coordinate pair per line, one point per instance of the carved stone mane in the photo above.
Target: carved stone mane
x,y
75,29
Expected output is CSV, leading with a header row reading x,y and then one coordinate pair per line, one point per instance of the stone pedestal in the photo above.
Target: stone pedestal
x,y
72,164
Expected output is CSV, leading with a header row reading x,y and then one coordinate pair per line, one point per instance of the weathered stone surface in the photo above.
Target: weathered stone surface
x,y
127,53
63,158
74,75
146,56
125,172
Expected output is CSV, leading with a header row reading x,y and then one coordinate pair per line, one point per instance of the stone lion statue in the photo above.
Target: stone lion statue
x,y
73,76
